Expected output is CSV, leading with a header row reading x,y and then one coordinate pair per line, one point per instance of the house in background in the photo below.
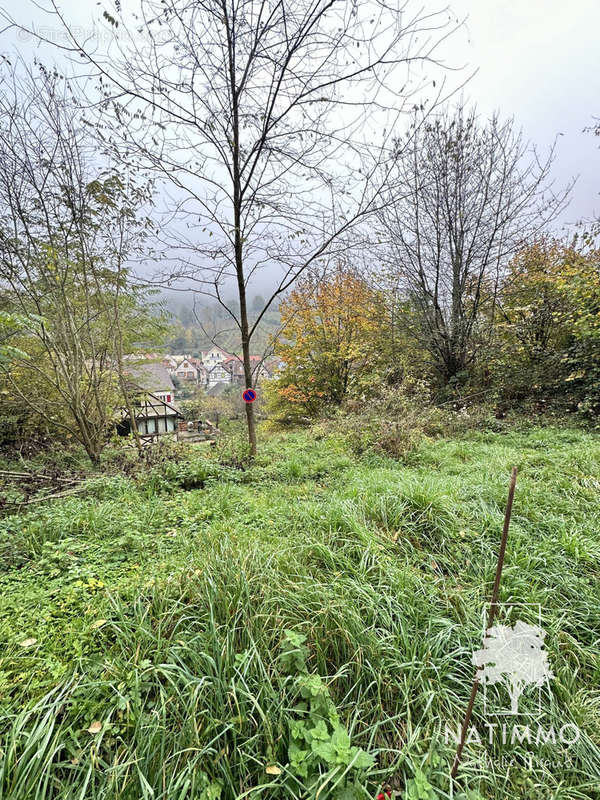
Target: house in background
x,y
201,369
153,397
192,370
235,367
218,374
217,366
260,369
202,374
169,363
216,355
187,370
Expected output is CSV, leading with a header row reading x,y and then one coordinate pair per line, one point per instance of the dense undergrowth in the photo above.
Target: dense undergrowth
x,y
299,628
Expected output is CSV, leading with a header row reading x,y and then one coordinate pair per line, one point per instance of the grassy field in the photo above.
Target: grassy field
x,y
299,629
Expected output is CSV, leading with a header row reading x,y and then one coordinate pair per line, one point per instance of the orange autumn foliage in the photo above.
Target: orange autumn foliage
x,y
330,329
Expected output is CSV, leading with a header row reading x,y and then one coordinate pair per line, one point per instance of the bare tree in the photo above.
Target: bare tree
x,y
65,237
471,195
270,118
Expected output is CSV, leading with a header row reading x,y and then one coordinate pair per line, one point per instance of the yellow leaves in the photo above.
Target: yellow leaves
x,y
336,310
95,727
28,642
550,295
91,584
272,769
98,623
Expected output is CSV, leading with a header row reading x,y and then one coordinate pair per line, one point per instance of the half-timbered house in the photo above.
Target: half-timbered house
x,y
152,399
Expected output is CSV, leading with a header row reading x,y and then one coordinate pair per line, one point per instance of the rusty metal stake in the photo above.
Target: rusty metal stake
x,y
490,619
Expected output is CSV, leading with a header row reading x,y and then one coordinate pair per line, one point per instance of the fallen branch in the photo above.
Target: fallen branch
x,y
5,473
55,496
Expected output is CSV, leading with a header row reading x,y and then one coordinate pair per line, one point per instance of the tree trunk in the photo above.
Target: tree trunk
x,y
92,453
515,693
238,240
250,421
244,327
87,436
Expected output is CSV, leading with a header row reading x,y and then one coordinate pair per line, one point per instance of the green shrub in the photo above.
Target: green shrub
x,y
192,474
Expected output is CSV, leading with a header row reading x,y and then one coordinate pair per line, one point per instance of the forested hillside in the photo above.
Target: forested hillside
x,y
195,329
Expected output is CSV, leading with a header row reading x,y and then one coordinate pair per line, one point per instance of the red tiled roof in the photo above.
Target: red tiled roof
x,y
253,359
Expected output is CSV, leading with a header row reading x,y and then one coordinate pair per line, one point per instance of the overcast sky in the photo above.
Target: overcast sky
x,y
537,60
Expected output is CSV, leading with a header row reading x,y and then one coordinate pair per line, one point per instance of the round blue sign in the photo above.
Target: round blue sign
x,y
249,396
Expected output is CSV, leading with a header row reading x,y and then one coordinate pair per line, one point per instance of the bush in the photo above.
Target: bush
x,y
193,473
393,422
397,420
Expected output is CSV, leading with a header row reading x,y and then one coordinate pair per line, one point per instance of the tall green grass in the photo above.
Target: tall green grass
x,y
159,609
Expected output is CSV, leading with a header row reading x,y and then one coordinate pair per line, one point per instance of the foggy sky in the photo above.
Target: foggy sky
x,y
538,61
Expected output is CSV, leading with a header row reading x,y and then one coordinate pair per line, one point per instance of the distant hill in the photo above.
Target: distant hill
x,y
194,332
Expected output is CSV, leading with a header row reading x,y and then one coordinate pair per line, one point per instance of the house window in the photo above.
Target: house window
x,y
168,398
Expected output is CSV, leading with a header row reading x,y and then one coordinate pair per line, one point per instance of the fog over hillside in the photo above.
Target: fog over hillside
x,y
550,83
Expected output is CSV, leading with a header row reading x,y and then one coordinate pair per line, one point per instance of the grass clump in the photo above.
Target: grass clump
x,y
300,628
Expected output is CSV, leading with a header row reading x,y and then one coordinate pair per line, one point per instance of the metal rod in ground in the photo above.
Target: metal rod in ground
x,y
490,619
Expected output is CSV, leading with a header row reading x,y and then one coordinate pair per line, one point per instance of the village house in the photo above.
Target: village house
x,y
169,363
201,369
218,374
192,370
153,397
260,369
217,366
202,374
235,367
216,355
187,370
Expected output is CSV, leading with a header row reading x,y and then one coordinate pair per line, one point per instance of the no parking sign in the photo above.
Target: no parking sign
x,y
249,396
